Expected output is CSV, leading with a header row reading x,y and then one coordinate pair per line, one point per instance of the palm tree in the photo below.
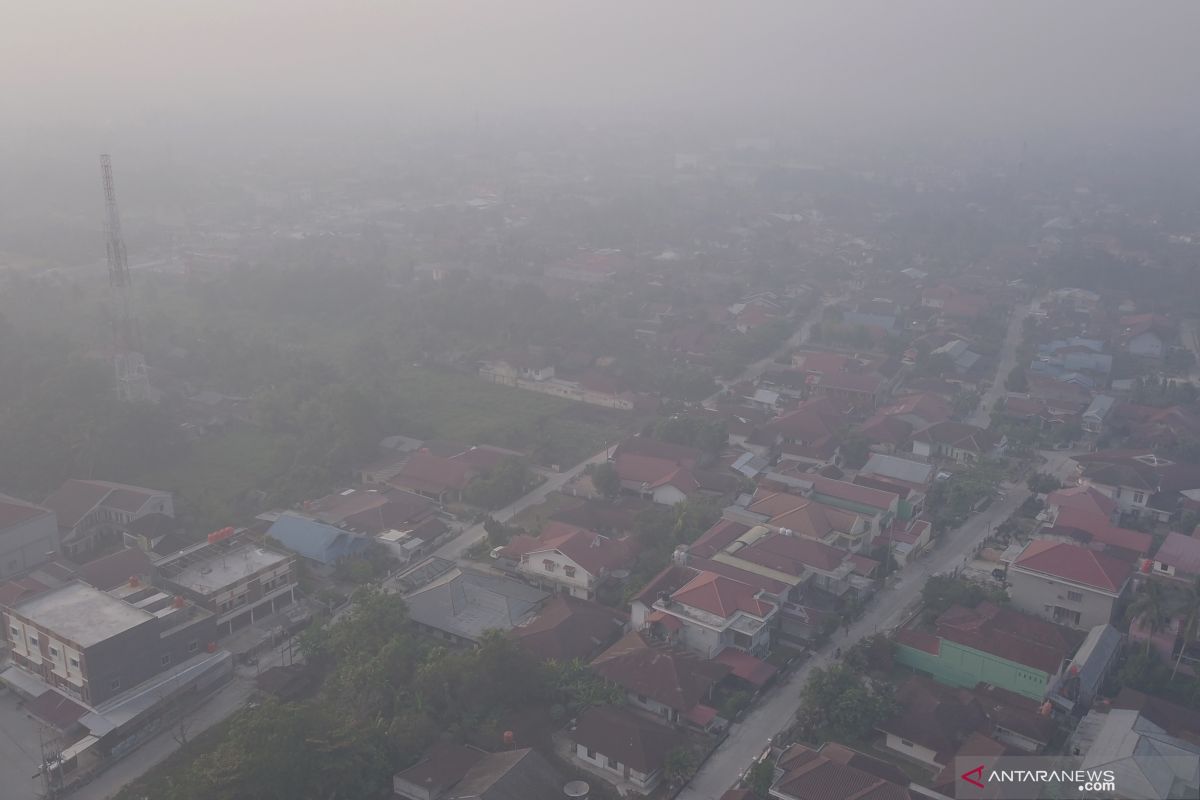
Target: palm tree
x,y
1150,610
1189,608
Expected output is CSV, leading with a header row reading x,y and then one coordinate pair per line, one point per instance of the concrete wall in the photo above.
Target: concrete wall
x,y
912,750
27,544
1033,593
956,665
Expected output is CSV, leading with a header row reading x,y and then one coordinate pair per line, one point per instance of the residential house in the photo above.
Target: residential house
x,y
460,604
157,534
836,772
933,721
958,352
455,772
1083,498
93,513
436,477
957,442
1142,482
1097,412
1067,583
900,471
567,628
663,679
1147,761
707,613
315,540
372,511
1095,530
805,517
1145,335
630,746
1151,427
1178,557
439,769
28,536
1040,413
569,558
666,473
990,644
808,433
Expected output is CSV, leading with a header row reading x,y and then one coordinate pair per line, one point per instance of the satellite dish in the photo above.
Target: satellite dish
x,y
578,789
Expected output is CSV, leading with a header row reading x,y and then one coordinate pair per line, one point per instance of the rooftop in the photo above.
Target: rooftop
x,y
82,614
466,603
211,567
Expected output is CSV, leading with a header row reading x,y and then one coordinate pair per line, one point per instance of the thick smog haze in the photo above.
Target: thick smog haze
x,y
543,399
926,67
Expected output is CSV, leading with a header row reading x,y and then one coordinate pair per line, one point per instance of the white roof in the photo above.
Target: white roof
x,y
901,469
82,614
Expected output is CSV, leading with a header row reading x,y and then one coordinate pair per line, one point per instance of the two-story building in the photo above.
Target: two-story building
x,y
709,613
1067,583
92,513
568,558
235,579
28,536
1142,482
957,442
94,645
629,745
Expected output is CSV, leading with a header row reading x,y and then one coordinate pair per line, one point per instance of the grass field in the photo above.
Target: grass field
x,y
449,405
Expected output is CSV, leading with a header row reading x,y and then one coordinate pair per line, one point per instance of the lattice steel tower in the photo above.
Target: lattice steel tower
x,y
133,384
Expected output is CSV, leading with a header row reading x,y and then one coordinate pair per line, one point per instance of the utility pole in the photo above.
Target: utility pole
x,y
133,384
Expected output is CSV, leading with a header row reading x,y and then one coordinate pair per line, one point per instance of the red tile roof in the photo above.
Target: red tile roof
x,y
935,716
745,666
792,554
1084,498
853,493
718,537
1075,564
654,448
721,596
1181,552
1096,527
674,677
812,775
114,569
884,429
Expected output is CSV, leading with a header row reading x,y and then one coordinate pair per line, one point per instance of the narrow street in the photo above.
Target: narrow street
x,y
1008,359
889,608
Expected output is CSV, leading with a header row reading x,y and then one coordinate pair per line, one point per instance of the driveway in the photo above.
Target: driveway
x,y
889,608
1008,359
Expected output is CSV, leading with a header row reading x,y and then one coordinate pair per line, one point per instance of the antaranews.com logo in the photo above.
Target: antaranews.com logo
x,y
1065,778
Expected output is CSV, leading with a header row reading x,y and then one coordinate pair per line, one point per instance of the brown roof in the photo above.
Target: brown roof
x,y
442,766
791,554
567,628
75,499
398,510
55,709
678,454
114,569
1175,719
590,550
959,435
1010,634
812,775
935,716
512,775
626,736
14,511
429,473
674,677
718,537
721,596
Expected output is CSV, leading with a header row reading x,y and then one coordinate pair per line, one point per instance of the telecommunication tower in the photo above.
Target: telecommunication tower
x,y
133,384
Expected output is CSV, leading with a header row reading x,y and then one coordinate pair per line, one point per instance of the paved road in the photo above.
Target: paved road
x,y
1008,360
219,706
798,338
889,608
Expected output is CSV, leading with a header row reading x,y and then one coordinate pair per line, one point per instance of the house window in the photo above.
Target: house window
x,y
74,662
569,571
1139,497
547,565
1075,597
165,660
193,646
15,630
906,743
591,754
114,684
33,640
54,651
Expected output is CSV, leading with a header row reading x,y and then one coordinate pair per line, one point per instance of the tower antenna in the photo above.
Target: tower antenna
x,y
133,385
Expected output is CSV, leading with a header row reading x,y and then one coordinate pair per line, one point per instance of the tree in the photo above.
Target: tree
x,y
855,451
1150,610
606,480
840,704
759,778
679,765
1189,608
1016,380
1043,483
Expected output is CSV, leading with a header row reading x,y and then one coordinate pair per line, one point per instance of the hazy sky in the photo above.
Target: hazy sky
x,y
106,68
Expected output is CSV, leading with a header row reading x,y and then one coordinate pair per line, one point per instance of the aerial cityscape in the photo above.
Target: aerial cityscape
x,y
515,401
